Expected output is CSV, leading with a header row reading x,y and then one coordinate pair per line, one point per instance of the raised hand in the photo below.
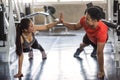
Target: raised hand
x,y
61,19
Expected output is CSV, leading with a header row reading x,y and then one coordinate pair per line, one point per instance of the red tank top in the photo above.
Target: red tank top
x,y
99,34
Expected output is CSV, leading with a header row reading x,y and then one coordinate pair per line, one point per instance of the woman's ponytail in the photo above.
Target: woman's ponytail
x,y
18,40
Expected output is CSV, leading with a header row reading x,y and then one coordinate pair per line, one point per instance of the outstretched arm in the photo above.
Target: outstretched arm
x,y
75,26
45,27
100,55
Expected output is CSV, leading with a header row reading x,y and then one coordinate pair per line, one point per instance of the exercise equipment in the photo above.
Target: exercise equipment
x,y
51,10
98,7
37,13
117,38
2,26
110,24
115,11
16,11
115,7
90,4
7,26
3,33
27,9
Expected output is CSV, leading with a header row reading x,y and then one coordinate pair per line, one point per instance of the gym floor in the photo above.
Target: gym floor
x,y
60,63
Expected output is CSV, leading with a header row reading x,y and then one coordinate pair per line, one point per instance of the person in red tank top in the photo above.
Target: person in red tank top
x,y
96,35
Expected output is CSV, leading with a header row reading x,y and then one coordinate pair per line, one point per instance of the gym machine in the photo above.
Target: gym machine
x,y
34,14
7,32
117,41
4,43
3,34
116,33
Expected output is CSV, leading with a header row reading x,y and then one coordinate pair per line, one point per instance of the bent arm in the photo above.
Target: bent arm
x,y
45,27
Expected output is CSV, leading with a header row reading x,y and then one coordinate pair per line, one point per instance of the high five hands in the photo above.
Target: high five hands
x,y
60,19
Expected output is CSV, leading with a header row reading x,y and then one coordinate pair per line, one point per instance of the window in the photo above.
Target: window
x,y
46,0
24,1
30,1
81,0
64,0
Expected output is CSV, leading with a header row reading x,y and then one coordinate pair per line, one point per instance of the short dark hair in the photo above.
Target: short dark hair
x,y
94,13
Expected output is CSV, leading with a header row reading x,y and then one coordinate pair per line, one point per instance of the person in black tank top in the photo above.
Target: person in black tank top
x,y
35,45
25,40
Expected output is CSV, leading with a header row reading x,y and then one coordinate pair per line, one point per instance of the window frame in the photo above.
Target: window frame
x,y
61,2
67,2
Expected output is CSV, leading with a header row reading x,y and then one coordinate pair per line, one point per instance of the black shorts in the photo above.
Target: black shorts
x,y
88,42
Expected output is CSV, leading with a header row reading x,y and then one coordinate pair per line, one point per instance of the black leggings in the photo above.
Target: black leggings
x,y
87,41
35,45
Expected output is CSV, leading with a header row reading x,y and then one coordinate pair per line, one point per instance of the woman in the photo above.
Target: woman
x,y
25,39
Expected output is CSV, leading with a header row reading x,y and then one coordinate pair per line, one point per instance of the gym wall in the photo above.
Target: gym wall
x,y
72,12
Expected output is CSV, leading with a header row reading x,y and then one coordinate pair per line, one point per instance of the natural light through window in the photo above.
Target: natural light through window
x,y
46,0
29,1
64,0
82,0
25,1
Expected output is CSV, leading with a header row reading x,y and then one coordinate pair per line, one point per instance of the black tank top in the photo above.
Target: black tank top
x,y
27,44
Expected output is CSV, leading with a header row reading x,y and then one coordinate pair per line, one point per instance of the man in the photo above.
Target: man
x,y
96,35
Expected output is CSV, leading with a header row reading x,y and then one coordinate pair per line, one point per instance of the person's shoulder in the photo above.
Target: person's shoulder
x,y
102,27
101,23
82,20
83,17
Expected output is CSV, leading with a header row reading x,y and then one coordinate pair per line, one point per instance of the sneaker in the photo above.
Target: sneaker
x,y
76,56
30,54
93,54
44,56
78,51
